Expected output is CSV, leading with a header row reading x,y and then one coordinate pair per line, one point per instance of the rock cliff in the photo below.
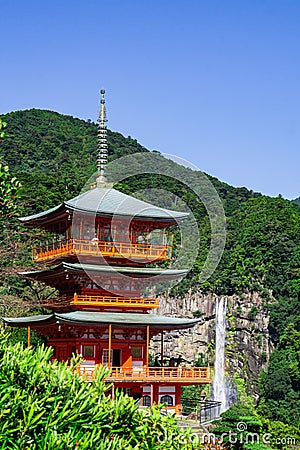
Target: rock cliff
x,y
248,344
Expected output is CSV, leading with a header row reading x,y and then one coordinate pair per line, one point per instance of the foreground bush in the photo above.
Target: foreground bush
x,y
241,428
46,405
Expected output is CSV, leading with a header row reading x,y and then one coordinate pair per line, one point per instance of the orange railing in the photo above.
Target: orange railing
x,y
116,301
99,300
101,248
153,374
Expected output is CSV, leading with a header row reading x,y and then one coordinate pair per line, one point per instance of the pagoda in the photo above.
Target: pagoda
x,y
97,257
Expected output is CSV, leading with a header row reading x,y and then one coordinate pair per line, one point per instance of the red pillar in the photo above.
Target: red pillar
x,y
178,398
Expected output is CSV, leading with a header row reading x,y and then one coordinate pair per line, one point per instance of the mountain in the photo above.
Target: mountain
x,y
297,201
53,155
58,153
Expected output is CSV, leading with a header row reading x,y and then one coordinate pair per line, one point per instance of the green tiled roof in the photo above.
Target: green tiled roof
x,y
108,202
104,318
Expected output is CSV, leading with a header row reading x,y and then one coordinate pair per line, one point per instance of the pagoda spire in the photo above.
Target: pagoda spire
x,y
102,141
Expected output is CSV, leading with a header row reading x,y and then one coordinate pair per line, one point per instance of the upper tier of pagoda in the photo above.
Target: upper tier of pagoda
x,y
104,222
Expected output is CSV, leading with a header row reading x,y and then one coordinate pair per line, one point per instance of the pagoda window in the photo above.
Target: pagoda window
x,y
89,351
168,399
105,360
146,400
137,352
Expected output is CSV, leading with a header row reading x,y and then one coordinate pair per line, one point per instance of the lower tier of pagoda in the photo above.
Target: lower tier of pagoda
x,y
120,341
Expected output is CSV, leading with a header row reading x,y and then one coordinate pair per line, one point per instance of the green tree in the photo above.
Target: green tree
x,y
280,435
240,428
9,188
9,192
2,126
280,384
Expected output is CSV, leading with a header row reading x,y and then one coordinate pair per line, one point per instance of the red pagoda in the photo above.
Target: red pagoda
x,y
98,261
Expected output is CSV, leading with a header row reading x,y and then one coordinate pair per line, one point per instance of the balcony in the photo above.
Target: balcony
x,y
72,247
102,301
184,375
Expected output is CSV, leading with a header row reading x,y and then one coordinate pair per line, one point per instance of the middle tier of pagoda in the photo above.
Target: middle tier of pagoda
x,y
103,287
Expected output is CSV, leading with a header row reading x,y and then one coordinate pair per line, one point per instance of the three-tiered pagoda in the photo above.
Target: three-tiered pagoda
x,y
98,261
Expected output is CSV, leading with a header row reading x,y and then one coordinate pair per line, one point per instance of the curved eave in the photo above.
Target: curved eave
x,y
103,269
45,218
85,318
29,320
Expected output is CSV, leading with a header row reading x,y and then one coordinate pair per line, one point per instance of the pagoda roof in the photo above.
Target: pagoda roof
x,y
103,318
104,269
107,202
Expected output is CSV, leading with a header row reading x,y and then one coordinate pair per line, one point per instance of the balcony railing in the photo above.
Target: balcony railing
x,y
144,252
98,300
196,375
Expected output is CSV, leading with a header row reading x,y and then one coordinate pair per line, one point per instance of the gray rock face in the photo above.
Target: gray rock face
x,y
248,344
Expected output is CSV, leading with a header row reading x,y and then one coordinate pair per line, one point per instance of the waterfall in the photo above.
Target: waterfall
x,y
219,382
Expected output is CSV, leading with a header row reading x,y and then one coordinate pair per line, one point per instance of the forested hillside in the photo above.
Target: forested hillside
x,y
297,201
54,155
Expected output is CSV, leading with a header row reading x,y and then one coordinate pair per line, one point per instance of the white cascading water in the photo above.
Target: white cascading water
x,y
219,382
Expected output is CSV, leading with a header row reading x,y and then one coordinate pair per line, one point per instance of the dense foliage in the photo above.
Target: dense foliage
x,y
52,155
9,192
241,428
297,200
263,245
280,386
47,405
9,188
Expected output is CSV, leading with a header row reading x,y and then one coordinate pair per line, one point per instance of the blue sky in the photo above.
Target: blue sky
x,y
215,82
